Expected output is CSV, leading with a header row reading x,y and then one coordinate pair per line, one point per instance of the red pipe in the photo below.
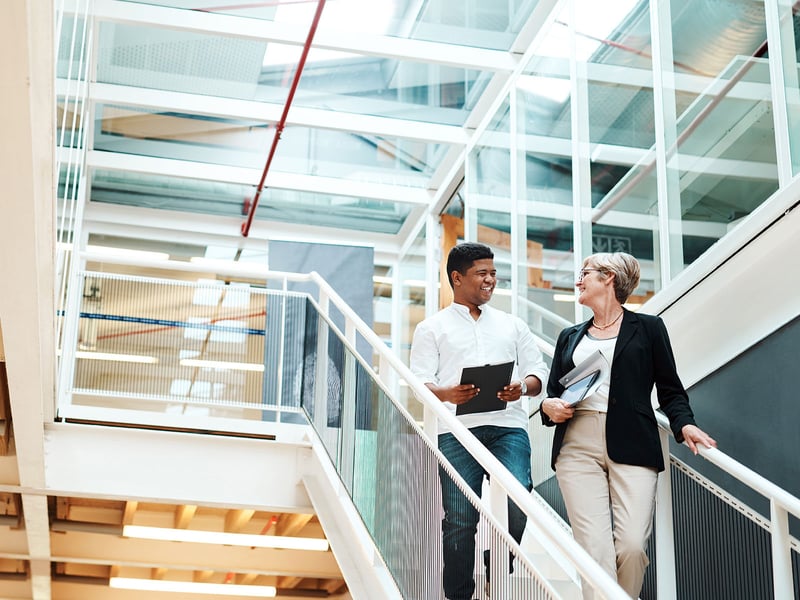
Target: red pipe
x,y
282,123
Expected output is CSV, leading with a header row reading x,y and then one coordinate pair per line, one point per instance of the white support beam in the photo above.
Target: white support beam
x,y
214,230
102,547
785,87
553,208
618,75
27,239
422,51
34,507
266,112
114,161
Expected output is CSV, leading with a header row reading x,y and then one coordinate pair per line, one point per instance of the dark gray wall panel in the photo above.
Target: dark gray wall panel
x,y
751,406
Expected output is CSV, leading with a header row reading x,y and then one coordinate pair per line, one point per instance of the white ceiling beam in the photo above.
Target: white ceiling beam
x,y
114,161
66,587
264,112
212,230
270,31
86,547
555,209
618,75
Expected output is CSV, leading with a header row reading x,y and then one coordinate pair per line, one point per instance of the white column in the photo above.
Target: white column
x,y
784,85
669,235
581,165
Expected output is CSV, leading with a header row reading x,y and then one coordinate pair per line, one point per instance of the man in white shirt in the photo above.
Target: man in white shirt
x,y
470,333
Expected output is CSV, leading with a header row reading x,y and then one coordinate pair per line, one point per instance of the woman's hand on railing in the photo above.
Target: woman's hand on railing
x,y
693,435
557,410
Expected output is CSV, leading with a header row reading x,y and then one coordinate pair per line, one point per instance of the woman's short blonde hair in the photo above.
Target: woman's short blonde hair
x,y
624,267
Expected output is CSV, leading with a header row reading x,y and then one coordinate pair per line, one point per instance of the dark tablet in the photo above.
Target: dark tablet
x,y
490,379
577,391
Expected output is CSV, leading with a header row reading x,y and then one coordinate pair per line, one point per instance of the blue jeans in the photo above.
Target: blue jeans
x,y
511,446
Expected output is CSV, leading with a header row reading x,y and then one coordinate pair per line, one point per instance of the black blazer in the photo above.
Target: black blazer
x,y
642,358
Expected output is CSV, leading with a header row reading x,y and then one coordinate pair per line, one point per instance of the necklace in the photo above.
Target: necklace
x,y
602,327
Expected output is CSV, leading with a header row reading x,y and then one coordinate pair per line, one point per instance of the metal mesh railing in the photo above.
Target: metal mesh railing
x,y
392,473
183,344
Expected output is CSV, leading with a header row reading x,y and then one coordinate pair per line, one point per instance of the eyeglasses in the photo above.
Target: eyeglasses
x,y
583,272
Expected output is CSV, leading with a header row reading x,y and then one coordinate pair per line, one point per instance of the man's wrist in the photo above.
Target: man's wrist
x,y
524,391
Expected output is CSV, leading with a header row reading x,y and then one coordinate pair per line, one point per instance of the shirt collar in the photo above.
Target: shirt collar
x,y
464,310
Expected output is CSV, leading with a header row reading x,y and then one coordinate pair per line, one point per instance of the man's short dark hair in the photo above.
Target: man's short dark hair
x,y
463,255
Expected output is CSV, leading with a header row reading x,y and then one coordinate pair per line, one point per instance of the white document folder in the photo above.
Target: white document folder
x,y
595,362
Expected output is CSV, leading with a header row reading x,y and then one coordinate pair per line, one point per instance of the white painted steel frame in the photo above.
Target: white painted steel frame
x,y
582,223
422,51
190,228
669,235
167,167
518,208
270,112
785,86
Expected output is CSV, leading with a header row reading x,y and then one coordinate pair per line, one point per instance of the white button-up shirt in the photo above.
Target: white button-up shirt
x,y
451,339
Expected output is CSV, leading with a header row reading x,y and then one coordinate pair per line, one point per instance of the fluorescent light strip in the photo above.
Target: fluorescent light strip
x,y
219,589
127,253
218,364
133,358
231,539
564,297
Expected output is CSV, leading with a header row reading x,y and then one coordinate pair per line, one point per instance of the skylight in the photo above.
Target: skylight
x,y
337,15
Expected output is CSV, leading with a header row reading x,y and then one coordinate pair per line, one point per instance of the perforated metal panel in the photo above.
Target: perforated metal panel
x,y
179,61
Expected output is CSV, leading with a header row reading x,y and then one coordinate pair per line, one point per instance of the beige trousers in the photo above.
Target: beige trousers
x,y
610,505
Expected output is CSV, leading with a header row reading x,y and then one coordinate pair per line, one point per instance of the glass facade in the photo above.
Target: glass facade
x,y
549,130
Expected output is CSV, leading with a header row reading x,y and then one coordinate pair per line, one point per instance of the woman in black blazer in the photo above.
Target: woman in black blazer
x,y
606,450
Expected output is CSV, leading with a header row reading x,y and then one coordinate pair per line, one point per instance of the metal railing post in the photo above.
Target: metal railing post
x,y
347,447
69,339
498,561
321,368
664,528
781,556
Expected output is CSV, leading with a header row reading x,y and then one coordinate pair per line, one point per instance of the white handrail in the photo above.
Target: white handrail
x,y
554,318
781,504
747,476
595,575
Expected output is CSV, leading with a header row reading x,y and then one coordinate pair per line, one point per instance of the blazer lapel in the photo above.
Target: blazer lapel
x,y
574,338
628,328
